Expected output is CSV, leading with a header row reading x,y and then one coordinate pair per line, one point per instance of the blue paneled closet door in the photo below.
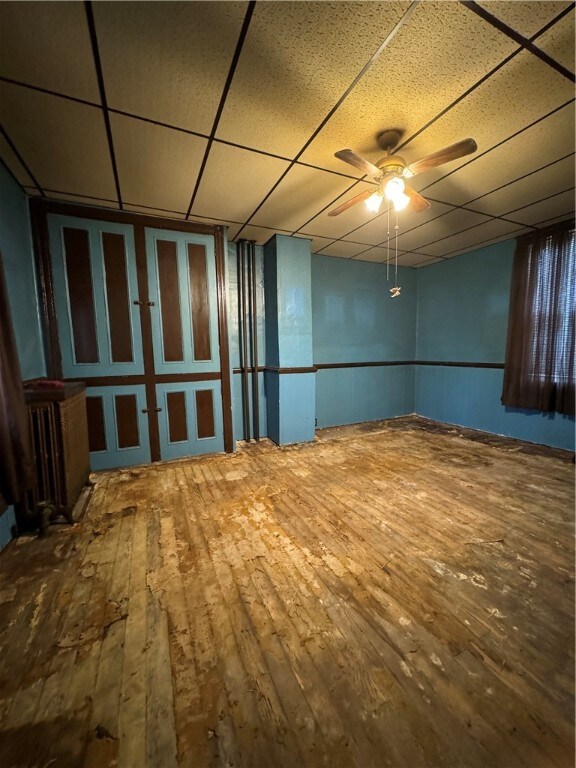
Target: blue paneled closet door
x,y
100,331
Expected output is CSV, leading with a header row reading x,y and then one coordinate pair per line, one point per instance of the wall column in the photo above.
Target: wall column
x,y
290,375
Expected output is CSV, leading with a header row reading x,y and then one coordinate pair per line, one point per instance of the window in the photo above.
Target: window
x,y
539,370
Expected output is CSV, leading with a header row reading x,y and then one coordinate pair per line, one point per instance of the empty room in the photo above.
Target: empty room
x,y
287,333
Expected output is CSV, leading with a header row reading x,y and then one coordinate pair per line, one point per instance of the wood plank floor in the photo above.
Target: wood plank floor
x,y
386,596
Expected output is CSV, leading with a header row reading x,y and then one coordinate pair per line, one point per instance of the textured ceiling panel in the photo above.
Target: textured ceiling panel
x,y
413,260
48,45
375,231
558,42
343,249
455,221
317,243
498,108
260,235
168,62
13,163
298,197
561,204
235,181
469,239
546,141
337,226
82,200
529,190
297,61
441,51
154,212
380,255
527,18
157,167
63,142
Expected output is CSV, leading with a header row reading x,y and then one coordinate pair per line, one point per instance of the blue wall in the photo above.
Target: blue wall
x,y
18,261
355,320
463,317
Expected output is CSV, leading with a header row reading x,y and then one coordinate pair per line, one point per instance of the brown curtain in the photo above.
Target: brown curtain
x,y
16,463
539,370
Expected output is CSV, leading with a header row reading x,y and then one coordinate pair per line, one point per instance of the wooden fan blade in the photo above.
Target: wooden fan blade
x,y
453,152
417,202
353,200
358,162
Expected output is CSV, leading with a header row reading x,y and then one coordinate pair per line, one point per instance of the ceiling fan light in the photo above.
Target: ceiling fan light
x,y
374,202
394,188
400,201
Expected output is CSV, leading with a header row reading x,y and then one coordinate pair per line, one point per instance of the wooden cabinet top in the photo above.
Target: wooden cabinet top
x,y
39,394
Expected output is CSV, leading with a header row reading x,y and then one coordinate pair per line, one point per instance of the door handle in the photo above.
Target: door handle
x,y
153,410
144,303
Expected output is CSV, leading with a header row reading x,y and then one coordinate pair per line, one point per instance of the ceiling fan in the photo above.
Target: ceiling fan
x,y
390,171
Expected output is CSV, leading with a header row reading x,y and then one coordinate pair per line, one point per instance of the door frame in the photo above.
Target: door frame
x,y
39,211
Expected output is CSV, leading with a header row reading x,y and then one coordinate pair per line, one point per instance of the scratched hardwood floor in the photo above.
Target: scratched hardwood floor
x,y
388,596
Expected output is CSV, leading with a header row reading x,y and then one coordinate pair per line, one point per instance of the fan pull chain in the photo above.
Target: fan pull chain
x,y
388,247
396,290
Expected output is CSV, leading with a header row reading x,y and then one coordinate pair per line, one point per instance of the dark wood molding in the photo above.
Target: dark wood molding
x,y
147,343
160,378
386,363
368,364
451,364
277,369
39,224
223,339
123,217
175,378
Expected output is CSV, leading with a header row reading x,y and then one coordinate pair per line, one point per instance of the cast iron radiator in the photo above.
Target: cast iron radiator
x,y
59,433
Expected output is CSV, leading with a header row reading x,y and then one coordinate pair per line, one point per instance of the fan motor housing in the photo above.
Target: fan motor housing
x,y
392,164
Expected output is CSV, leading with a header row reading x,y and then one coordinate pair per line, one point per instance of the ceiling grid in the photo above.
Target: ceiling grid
x,y
231,112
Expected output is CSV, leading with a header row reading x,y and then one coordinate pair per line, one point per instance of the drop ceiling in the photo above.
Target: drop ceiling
x,y
230,113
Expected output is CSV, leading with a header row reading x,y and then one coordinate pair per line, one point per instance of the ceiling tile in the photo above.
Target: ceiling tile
x,y
11,161
561,204
427,262
168,62
555,220
157,166
380,255
447,49
344,249
375,232
490,241
522,91
530,189
82,200
154,212
548,140
348,221
525,17
442,227
63,143
558,42
297,61
298,198
234,181
413,260
468,240
260,235
316,243
48,45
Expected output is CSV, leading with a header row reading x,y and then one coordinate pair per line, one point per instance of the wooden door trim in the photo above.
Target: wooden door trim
x,y
223,339
39,211
39,225
122,217
147,341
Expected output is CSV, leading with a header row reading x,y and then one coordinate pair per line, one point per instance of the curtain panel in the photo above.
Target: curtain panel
x,y
539,368
16,457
